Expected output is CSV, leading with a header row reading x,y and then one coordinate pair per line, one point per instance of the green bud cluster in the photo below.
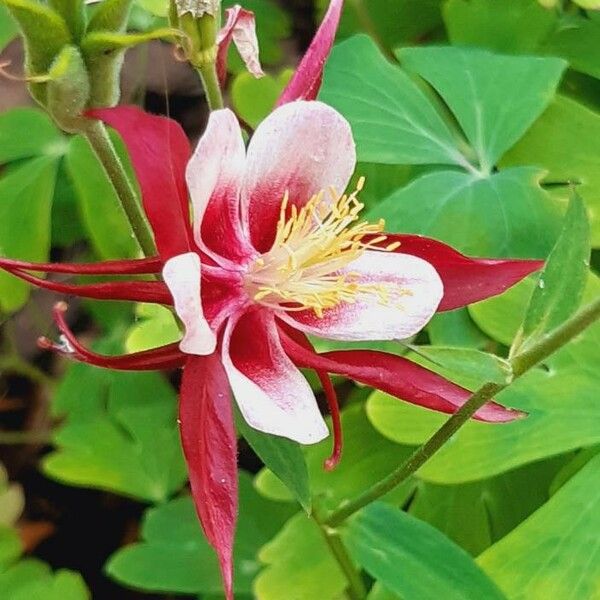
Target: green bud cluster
x,y
73,63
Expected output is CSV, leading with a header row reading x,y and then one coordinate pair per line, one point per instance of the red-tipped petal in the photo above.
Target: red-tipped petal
x,y
306,82
134,291
110,267
396,376
164,357
466,279
239,28
159,151
209,443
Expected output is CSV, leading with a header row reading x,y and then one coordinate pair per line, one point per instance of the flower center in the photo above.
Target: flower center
x,y
306,266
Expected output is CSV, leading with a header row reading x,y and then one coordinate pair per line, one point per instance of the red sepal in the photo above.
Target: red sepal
x,y
466,279
139,266
396,376
306,81
209,444
159,151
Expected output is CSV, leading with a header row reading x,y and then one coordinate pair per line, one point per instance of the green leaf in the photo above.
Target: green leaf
x,y
283,457
175,557
253,99
518,26
562,282
159,8
121,434
12,501
367,457
392,119
62,585
576,40
413,559
8,28
495,98
477,514
560,399
299,563
553,554
489,216
378,592
10,546
73,12
101,211
573,156
155,326
456,328
25,206
28,132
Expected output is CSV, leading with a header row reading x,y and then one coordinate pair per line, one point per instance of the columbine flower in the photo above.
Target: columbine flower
x,y
275,250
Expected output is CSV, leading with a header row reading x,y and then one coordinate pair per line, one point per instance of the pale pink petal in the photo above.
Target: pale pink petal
x,y
300,148
272,394
214,175
241,28
306,82
182,276
415,291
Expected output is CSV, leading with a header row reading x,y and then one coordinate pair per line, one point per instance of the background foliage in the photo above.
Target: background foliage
x,y
475,121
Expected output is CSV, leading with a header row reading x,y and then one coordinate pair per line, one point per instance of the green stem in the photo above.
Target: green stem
x,y
210,82
356,588
521,363
105,151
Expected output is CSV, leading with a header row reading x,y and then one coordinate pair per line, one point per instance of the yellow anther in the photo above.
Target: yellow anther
x,y
313,245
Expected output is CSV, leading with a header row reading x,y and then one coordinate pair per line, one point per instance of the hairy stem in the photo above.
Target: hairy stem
x,y
356,588
210,83
521,363
105,151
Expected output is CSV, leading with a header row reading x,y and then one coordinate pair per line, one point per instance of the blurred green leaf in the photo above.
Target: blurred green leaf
x,y
490,216
25,205
31,579
413,559
101,211
8,28
73,12
367,457
517,26
120,434
573,156
495,98
562,282
12,501
155,326
175,557
299,565
379,592
253,99
393,21
29,132
577,39
283,457
110,15
553,554
159,8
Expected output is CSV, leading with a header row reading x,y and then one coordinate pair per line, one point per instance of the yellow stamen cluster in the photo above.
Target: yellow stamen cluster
x,y
312,246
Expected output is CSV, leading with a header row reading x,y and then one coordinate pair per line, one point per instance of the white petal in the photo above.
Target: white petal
x,y
416,291
271,393
182,276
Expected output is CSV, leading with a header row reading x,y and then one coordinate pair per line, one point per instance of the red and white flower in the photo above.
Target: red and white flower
x,y
275,250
